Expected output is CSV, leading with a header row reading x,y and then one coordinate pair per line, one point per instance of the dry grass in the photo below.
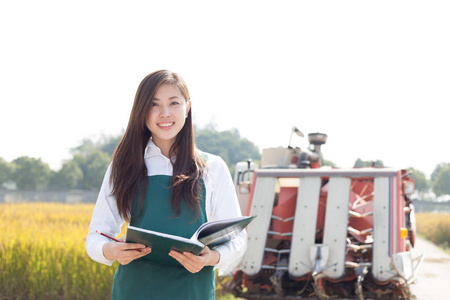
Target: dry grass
x,y
43,256
435,227
43,253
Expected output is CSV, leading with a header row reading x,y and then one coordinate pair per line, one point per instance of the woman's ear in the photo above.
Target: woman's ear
x,y
188,107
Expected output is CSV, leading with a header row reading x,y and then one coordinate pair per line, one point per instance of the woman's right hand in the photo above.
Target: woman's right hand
x,y
124,253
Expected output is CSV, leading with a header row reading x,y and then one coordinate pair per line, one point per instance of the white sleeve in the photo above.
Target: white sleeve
x,y
106,219
224,205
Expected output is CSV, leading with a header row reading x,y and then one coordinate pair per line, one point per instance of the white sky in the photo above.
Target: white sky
x,y
372,75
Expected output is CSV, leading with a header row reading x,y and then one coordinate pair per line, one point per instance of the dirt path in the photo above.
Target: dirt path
x,y
433,279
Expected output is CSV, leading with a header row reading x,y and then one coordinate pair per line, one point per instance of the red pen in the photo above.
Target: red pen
x,y
114,239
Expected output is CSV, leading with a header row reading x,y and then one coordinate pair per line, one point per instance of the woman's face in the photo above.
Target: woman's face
x,y
168,112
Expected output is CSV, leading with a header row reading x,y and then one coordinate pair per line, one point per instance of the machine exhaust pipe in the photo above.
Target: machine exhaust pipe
x,y
313,155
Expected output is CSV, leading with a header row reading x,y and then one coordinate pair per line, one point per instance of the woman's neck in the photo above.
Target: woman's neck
x,y
164,146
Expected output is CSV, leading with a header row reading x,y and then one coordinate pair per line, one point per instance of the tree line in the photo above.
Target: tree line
x,y
439,182
86,169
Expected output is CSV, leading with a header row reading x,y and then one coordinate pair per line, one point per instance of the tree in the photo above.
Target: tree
x,y
68,177
422,184
31,173
436,171
105,144
359,163
93,158
87,146
6,171
109,144
441,182
328,163
93,165
227,144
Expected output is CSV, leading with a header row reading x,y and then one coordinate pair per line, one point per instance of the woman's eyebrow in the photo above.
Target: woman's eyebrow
x,y
171,98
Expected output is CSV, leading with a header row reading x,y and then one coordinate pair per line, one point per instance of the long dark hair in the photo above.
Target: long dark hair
x,y
129,173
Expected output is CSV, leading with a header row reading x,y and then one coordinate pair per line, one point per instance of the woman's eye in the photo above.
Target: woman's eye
x,y
175,103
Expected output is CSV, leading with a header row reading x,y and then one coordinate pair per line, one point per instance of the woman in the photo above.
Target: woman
x,y
159,180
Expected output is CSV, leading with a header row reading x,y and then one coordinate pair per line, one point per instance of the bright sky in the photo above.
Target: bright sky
x,y
373,75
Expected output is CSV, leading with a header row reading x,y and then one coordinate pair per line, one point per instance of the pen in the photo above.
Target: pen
x,y
114,239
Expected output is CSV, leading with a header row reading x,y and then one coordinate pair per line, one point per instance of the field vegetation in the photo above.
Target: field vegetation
x,y
43,256
435,227
42,251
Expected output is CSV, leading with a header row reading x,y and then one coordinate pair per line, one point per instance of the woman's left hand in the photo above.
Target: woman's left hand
x,y
194,263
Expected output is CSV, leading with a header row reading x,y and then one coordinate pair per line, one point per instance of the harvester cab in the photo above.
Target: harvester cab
x,y
324,232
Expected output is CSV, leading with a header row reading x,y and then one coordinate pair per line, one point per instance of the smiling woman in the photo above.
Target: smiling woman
x,y
160,181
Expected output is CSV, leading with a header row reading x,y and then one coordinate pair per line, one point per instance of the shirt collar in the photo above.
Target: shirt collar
x,y
152,150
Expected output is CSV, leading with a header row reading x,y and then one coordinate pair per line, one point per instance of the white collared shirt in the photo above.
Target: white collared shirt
x,y
220,203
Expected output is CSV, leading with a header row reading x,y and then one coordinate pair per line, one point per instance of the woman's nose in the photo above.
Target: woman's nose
x,y
165,111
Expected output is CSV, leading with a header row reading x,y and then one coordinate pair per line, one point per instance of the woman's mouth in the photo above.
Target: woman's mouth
x,y
165,124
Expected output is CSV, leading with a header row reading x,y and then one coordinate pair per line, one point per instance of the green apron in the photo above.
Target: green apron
x,y
145,279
